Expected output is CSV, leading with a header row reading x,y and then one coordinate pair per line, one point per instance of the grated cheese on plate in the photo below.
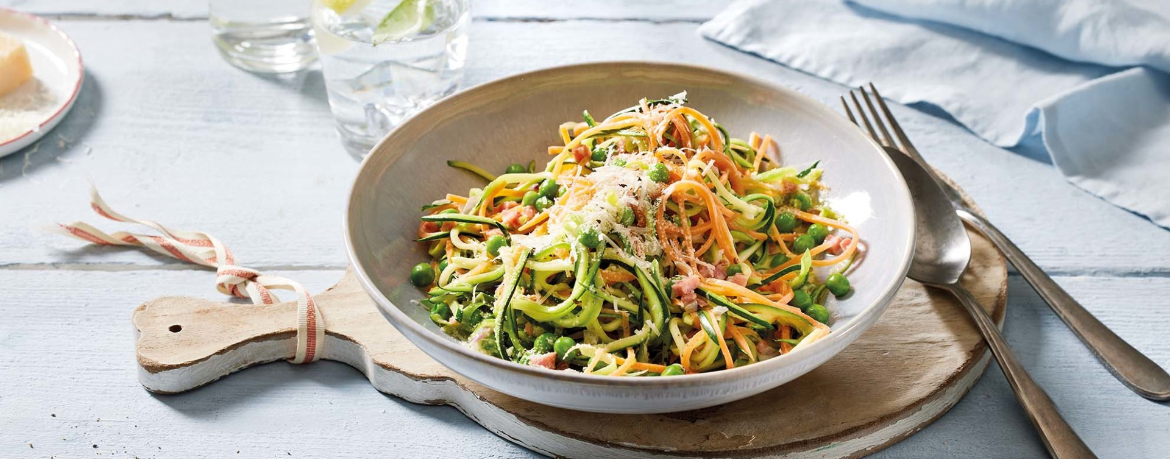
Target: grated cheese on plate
x,y
25,108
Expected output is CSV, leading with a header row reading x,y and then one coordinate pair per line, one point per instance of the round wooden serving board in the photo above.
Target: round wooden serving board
x,y
916,362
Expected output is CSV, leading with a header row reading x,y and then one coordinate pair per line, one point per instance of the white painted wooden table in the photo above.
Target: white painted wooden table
x,y
169,131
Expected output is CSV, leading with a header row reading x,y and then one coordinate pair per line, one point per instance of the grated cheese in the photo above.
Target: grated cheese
x,y
615,188
25,108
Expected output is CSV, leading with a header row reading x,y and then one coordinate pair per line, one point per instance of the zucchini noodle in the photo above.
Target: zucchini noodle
x,y
652,244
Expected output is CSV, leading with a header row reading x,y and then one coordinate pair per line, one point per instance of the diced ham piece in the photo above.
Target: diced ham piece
x,y
580,153
430,227
766,351
717,270
837,244
739,279
516,216
789,187
547,360
684,289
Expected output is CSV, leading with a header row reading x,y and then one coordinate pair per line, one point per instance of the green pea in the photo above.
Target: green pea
x,y
494,244
786,222
818,232
549,188
516,168
442,310
422,275
543,202
599,154
838,284
442,265
801,299
778,260
619,162
562,346
659,173
529,198
673,370
819,313
544,343
627,216
803,243
590,238
801,201
734,269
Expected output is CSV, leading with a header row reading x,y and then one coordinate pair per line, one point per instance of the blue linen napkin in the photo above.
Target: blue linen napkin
x,y
997,72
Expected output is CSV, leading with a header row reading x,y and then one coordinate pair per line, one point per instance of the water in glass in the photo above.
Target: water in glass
x,y
263,36
374,80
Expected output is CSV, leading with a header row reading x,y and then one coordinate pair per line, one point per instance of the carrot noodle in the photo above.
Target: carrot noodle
x,y
761,152
629,362
694,342
741,341
638,231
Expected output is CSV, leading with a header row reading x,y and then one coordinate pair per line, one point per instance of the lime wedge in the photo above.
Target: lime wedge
x,y
406,19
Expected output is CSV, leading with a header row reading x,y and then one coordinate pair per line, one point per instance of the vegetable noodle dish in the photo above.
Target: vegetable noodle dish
x,y
651,244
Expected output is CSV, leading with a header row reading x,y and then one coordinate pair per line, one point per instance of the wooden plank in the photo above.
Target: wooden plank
x,y
171,132
69,349
1104,412
69,387
494,10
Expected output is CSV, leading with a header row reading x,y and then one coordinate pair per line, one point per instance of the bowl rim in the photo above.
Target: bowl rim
x,y
866,317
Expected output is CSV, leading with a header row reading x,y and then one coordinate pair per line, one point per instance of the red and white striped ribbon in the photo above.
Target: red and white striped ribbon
x,y
203,249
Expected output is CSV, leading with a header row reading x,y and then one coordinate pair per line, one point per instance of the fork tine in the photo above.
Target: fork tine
x,y
849,112
861,113
906,145
877,119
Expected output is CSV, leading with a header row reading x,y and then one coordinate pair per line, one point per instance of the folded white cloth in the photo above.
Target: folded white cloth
x,y
1107,129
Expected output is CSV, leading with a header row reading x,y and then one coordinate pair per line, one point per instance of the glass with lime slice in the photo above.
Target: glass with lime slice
x,y
386,60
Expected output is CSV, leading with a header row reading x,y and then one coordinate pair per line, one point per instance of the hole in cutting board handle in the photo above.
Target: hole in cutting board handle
x,y
175,328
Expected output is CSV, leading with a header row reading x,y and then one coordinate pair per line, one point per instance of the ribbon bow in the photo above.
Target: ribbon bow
x,y
203,249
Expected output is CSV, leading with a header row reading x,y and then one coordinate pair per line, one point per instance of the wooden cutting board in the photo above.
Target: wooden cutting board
x,y
916,362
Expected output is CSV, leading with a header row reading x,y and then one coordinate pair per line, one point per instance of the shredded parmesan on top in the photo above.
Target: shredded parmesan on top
x,y
606,192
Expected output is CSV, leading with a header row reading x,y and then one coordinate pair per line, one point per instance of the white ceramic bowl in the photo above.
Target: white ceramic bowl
x,y
515,120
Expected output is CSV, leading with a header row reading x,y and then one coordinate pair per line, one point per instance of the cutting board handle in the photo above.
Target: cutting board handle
x,y
184,342
183,333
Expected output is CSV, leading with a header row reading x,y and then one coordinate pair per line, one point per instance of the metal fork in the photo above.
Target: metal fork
x,y
1131,367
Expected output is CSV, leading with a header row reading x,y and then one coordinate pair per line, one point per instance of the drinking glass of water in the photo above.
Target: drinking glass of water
x,y
263,36
385,60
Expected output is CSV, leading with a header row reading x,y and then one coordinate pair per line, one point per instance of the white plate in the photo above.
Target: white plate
x,y
56,62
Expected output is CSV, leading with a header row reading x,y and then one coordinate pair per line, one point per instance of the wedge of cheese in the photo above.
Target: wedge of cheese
x,y
14,66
